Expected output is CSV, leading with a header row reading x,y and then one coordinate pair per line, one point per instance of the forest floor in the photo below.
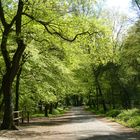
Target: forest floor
x,y
76,124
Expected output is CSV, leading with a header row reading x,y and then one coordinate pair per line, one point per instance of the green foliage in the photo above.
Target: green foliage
x,y
37,115
134,122
113,113
57,112
128,114
130,118
101,66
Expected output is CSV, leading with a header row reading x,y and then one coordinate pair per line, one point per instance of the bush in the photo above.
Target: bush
x,y
113,113
134,122
37,115
58,111
55,112
130,118
128,114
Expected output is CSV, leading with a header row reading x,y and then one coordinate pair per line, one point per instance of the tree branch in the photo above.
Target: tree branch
x,y
19,40
136,1
2,18
46,24
33,18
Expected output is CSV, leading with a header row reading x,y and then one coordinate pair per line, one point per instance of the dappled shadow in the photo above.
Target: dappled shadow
x,y
118,136
82,135
74,125
78,118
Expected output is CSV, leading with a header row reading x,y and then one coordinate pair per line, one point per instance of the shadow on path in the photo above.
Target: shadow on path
x,y
72,116
76,124
120,136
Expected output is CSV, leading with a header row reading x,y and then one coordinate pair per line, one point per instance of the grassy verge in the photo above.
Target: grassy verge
x,y
97,112
129,118
56,112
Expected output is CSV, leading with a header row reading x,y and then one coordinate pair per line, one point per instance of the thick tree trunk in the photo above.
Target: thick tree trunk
x,y
8,106
11,66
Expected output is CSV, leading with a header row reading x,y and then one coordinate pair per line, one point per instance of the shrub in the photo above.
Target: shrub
x,y
125,115
55,112
37,115
113,113
130,118
134,122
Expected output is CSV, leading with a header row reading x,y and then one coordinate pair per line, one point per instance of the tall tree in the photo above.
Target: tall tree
x,y
48,16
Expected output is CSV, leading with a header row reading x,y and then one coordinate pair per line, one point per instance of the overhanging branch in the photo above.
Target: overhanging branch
x,y
59,34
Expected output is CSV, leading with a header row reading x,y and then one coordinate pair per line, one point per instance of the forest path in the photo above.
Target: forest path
x,y
76,124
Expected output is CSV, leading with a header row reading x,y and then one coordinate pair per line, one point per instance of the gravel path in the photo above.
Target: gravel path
x,y
74,125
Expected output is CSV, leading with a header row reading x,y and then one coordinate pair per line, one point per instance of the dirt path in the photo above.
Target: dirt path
x,y
74,125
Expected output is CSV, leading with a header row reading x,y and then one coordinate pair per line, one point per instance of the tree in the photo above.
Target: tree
x,y
11,66
23,13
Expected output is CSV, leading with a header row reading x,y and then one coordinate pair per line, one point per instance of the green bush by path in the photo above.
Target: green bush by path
x,y
37,115
128,114
55,112
113,113
129,118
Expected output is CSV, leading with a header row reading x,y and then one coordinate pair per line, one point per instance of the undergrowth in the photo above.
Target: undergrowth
x,y
56,112
129,118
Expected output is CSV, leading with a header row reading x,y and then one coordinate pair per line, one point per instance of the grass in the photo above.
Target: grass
x,y
56,112
97,112
129,118
37,115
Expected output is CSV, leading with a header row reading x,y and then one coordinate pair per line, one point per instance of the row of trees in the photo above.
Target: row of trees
x,y
65,52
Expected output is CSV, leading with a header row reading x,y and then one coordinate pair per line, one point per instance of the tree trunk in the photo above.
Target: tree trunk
x,y
51,108
100,93
56,105
97,99
12,67
46,110
112,98
40,106
125,95
17,89
8,106
1,105
67,101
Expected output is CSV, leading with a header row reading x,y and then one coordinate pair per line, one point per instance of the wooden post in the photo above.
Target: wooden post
x,y
16,117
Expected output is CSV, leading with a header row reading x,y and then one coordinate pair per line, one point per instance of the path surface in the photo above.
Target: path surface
x,y
77,124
